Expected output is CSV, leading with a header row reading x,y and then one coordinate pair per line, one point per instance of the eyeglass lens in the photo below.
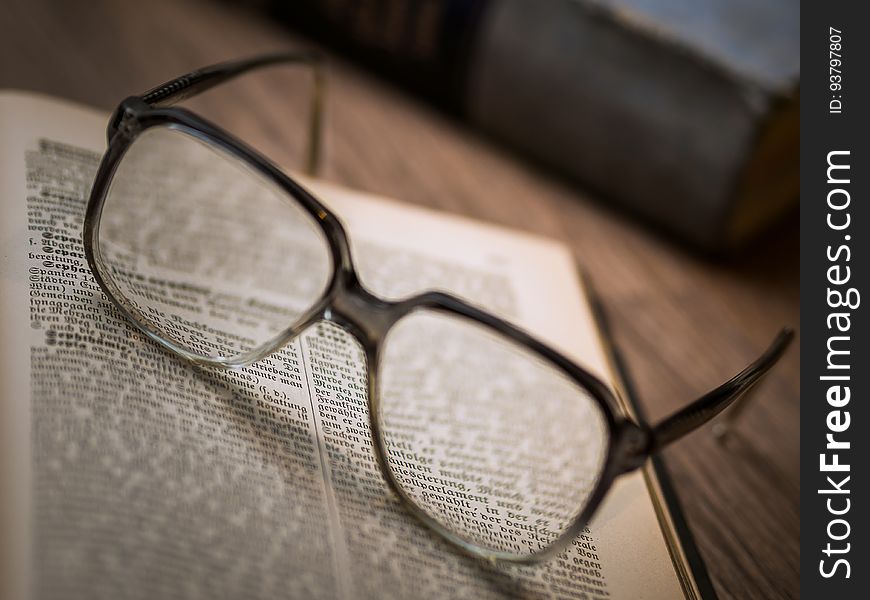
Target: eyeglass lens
x,y
491,442
205,252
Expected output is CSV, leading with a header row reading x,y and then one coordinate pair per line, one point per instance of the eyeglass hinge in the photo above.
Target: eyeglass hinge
x,y
634,444
125,119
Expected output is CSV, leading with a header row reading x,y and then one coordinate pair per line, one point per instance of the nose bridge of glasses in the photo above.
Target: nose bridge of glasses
x,y
357,310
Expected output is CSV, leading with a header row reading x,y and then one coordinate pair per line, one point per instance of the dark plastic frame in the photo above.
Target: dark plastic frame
x,y
347,303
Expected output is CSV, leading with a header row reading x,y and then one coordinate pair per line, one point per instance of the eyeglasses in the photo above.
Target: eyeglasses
x,y
493,439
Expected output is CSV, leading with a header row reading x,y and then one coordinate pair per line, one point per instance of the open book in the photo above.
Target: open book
x,y
128,472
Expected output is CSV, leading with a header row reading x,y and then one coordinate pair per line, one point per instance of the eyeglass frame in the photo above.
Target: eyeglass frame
x,y
368,318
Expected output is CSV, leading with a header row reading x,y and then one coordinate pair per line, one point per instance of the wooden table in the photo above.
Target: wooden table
x,y
683,322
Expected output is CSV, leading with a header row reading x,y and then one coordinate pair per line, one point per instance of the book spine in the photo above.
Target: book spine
x,y
688,561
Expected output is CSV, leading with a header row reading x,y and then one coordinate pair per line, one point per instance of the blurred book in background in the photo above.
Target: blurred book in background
x,y
682,112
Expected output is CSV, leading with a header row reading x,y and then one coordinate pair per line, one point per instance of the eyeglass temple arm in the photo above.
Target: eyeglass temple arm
x,y
715,401
196,82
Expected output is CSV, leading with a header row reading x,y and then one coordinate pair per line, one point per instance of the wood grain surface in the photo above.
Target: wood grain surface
x,y
682,322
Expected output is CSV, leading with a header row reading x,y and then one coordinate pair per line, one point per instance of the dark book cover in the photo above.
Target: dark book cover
x,y
681,112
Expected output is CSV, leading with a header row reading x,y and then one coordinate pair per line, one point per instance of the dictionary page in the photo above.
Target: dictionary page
x,y
136,474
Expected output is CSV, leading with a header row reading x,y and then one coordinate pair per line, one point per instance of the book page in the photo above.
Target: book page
x,y
137,474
